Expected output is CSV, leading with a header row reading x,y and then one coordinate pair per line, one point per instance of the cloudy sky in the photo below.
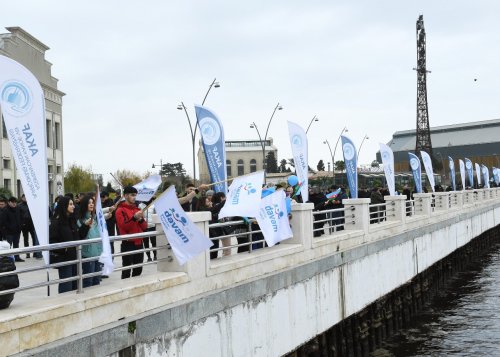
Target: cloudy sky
x,y
125,66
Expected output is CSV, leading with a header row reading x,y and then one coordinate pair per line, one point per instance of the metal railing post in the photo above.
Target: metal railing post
x,y
79,270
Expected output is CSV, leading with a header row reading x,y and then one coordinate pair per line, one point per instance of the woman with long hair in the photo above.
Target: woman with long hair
x,y
89,229
62,229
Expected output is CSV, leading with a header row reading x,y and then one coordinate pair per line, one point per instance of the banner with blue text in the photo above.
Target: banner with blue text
x,y
243,197
298,140
212,135
351,165
22,104
416,169
388,162
273,218
186,240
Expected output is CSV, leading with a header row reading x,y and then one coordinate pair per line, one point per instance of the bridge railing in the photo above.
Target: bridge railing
x,y
338,225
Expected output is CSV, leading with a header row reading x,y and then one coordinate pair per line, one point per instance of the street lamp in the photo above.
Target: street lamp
x,y
333,167
181,106
362,141
161,165
315,118
344,130
263,142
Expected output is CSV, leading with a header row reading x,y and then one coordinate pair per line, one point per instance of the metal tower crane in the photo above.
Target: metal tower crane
x,y
423,129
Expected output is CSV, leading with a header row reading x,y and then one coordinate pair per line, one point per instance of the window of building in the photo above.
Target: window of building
x,y
19,189
6,184
58,169
253,165
49,133
241,167
228,168
57,132
6,164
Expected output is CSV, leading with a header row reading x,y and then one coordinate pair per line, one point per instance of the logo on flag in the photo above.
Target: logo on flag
x,y
243,197
272,218
414,164
468,164
296,140
18,97
349,151
186,240
210,130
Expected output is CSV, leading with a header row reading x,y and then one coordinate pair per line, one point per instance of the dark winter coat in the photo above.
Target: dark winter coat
x,y
7,282
64,231
11,221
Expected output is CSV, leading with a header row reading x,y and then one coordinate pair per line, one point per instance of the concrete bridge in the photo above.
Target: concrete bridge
x,y
266,303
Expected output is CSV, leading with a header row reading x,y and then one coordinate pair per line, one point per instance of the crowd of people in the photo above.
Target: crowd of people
x,y
73,218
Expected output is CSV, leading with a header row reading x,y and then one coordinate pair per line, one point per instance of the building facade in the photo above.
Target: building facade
x,y
22,47
478,141
242,157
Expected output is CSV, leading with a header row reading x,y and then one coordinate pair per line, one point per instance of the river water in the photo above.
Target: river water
x,y
463,320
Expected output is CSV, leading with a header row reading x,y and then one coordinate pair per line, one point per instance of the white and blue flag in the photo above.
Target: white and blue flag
x,y
462,173
478,174
416,169
351,165
451,165
298,141
106,258
486,176
388,162
426,159
147,188
243,197
185,238
496,176
22,106
212,135
273,218
468,166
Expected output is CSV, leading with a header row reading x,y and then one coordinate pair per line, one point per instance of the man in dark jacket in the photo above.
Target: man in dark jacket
x,y
192,205
27,227
11,224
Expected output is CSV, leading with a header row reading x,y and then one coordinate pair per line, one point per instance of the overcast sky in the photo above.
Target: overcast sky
x,y
126,65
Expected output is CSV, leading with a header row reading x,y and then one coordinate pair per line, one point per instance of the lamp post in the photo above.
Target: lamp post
x,y
331,155
315,118
344,130
362,141
161,166
263,142
181,106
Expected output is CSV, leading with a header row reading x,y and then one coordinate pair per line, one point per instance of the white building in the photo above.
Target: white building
x,y
242,157
30,52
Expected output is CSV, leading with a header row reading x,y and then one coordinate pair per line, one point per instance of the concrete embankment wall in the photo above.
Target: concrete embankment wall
x,y
280,312
267,303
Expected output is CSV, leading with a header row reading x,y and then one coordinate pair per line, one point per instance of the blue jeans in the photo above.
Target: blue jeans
x,y
67,271
88,268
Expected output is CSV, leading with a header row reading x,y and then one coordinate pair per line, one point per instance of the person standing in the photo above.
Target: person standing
x,y
27,227
192,204
62,229
129,220
89,229
11,223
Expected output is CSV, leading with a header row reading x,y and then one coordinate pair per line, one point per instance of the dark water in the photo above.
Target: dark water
x,y
463,320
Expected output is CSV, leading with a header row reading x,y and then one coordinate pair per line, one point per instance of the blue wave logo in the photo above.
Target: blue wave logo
x,y
249,188
386,156
177,217
16,98
210,131
468,164
279,213
297,140
349,151
414,164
